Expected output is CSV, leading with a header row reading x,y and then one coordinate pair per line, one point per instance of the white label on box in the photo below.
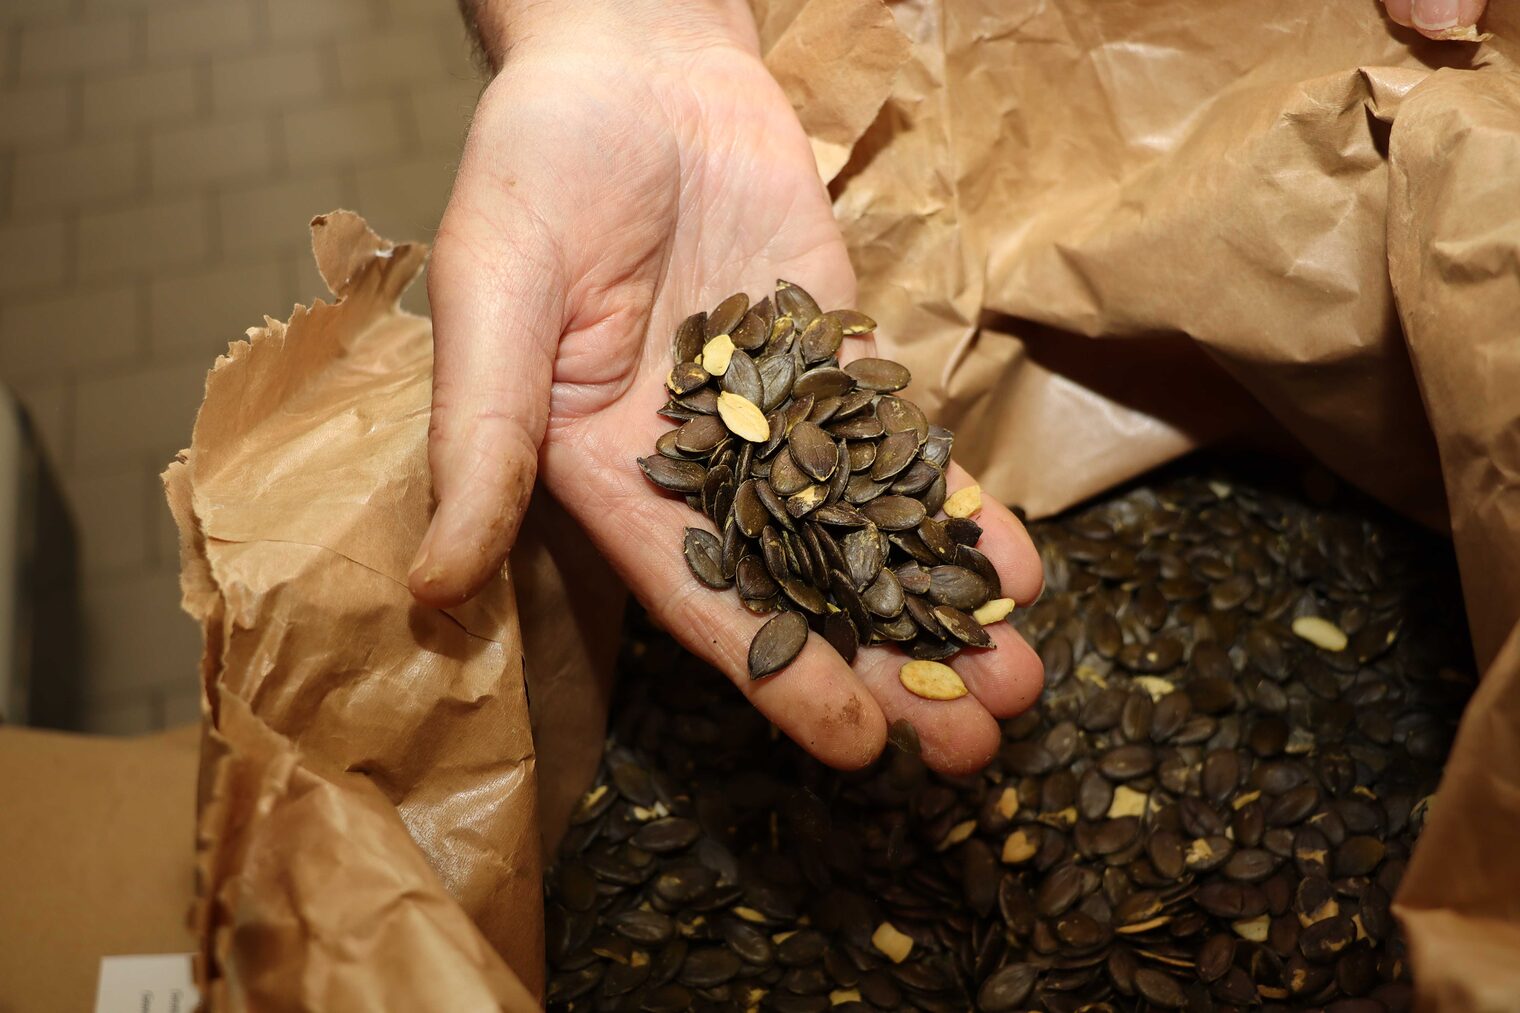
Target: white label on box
x,y
152,983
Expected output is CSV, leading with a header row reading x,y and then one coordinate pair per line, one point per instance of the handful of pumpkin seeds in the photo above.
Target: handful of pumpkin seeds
x,y
823,485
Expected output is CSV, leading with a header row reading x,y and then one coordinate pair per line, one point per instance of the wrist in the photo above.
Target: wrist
x,y
502,26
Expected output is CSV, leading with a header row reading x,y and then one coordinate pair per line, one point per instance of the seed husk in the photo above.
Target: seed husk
x,y
742,377
794,302
821,338
754,580
752,332
805,502
701,435
777,374
686,377
852,322
881,375
958,587
742,418
841,515
689,338
822,382
839,631
894,454
778,642
931,680
962,626
726,315
894,513
813,450
704,557
884,595
676,476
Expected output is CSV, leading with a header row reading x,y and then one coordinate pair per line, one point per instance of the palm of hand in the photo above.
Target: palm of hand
x,y
665,198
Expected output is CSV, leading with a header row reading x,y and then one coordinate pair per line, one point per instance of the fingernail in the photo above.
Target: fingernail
x,y
1435,15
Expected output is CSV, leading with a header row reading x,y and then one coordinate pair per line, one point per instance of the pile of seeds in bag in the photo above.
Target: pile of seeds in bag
x,y
1248,702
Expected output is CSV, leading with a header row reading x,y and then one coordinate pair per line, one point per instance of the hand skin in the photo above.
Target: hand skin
x,y
631,162
1437,19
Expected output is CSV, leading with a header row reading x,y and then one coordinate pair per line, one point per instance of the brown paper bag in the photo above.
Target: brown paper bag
x,y
1101,235
1104,234
368,834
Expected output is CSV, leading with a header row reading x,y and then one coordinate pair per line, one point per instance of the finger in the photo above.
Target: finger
x,y
1440,18
1005,542
956,736
816,700
1399,11
497,290
1006,679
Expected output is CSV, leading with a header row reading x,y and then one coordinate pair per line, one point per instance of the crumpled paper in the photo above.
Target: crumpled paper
x,y
367,835
1104,234
1101,235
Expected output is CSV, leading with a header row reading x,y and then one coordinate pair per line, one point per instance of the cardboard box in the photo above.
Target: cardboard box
x,y
97,845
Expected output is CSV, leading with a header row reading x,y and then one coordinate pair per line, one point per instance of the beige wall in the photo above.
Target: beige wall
x,y
159,160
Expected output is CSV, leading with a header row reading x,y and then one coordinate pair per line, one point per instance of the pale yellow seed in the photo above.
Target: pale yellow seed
x,y
1361,930
1322,633
893,943
749,914
1127,802
1154,685
781,937
1254,929
640,958
742,418
964,502
931,680
1241,801
840,996
594,796
1199,851
1329,909
1008,803
1061,817
1167,959
1300,741
1019,847
995,611
957,833
1144,926
717,354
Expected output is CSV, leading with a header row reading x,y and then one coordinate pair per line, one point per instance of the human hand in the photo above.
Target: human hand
x,y
632,163
1438,19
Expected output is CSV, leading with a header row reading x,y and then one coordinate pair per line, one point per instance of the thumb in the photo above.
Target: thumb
x,y
497,288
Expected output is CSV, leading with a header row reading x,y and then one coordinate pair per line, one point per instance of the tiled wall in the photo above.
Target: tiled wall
x,y
159,160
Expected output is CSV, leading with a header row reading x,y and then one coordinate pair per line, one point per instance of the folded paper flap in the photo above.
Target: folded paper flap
x,y
300,502
346,248
836,61
396,939
1454,247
